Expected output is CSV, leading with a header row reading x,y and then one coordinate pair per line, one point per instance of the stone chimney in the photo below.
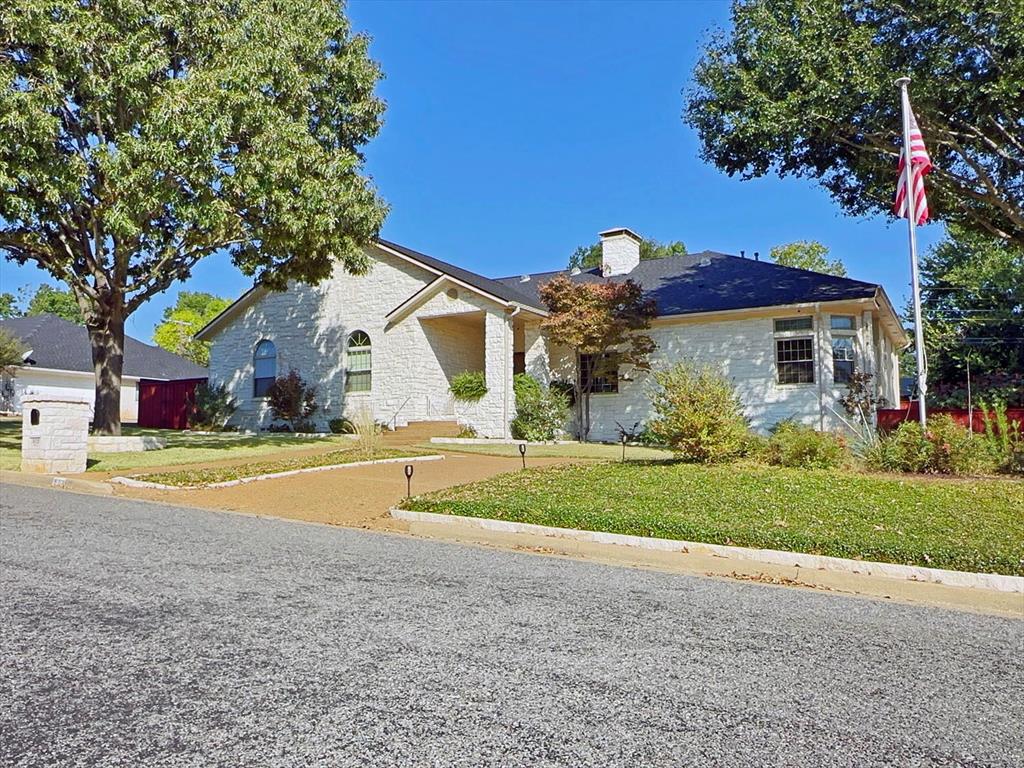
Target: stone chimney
x,y
620,251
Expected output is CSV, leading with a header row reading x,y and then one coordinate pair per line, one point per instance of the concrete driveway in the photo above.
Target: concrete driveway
x,y
143,634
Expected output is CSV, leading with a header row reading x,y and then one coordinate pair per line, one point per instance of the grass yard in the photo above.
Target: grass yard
x,y
181,448
973,525
570,450
209,475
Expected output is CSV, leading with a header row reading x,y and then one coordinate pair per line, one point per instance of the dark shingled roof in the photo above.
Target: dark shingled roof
x,y
502,289
64,346
712,282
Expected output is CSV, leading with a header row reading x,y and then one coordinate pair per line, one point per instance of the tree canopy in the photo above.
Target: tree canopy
x,y
141,138
589,256
44,300
806,88
807,254
181,322
11,351
972,291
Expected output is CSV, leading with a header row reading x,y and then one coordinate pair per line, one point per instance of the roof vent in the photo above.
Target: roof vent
x,y
574,271
524,279
705,261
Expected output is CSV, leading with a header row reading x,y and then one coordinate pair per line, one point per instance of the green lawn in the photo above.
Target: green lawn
x,y
570,450
974,525
195,477
181,448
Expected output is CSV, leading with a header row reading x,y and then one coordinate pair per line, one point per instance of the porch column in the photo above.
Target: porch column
x,y
497,408
536,353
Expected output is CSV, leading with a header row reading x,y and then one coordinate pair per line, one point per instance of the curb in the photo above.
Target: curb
x,y
73,484
991,581
131,482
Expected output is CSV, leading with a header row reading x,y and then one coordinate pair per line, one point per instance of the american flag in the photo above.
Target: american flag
x,y
920,164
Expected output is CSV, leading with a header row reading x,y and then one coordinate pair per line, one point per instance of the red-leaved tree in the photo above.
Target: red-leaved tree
x,y
601,323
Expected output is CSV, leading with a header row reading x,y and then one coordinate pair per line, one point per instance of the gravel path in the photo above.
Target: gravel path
x,y
139,634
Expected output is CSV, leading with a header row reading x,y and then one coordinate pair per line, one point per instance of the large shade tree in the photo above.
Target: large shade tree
x,y
139,138
805,88
973,308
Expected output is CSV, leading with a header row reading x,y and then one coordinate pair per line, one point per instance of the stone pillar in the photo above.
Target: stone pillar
x,y
536,353
497,408
54,432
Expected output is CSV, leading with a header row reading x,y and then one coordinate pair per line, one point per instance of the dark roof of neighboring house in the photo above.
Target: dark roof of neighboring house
x,y
712,282
498,288
64,346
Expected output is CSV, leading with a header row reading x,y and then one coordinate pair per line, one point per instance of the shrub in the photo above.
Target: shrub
x,y
697,414
210,406
944,448
541,412
1005,437
525,385
342,426
467,432
469,386
291,399
795,445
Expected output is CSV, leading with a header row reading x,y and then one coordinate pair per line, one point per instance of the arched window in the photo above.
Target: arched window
x,y
358,366
264,363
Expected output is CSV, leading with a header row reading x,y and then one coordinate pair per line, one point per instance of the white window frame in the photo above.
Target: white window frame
x,y
368,370
256,357
851,334
799,334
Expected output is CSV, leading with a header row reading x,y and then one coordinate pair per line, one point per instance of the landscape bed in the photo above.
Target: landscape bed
x,y
970,525
206,476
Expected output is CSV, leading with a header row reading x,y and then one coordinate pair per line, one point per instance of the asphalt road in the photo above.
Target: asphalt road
x,y
139,634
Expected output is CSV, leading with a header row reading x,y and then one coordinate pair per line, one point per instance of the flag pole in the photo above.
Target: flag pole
x,y
908,167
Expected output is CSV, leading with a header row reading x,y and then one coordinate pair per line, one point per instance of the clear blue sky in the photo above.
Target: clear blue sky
x,y
517,131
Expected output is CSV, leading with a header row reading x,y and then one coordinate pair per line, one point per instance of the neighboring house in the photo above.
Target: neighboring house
x,y
59,360
392,340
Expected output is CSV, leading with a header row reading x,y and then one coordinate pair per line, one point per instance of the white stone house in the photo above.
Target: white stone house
x,y
391,340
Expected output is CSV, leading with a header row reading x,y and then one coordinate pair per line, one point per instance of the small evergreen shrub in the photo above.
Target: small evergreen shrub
x,y
469,386
945,448
291,399
342,426
541,412
795,445
697,414
467,432
525,385
210,406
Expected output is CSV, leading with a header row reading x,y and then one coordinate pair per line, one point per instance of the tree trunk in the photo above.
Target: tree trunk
x,y
107,338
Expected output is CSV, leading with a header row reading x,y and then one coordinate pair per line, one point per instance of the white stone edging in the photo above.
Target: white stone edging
x,y
496,441
131,482
994,581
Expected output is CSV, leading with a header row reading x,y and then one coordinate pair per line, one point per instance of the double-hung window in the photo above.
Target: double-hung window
x,y
844,331
359,368
794,350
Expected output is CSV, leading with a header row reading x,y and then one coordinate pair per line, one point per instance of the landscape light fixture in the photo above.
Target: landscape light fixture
x,y
408,481
522,453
